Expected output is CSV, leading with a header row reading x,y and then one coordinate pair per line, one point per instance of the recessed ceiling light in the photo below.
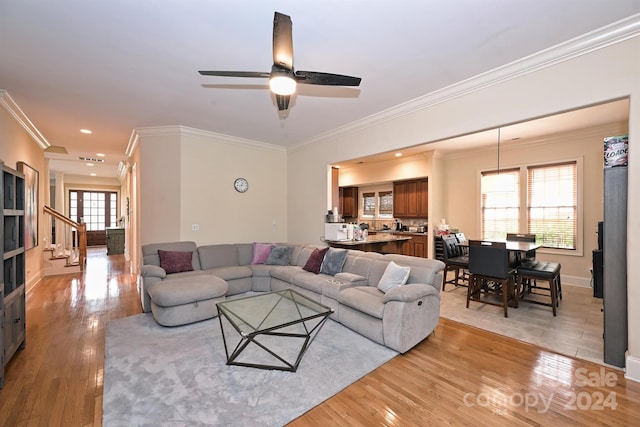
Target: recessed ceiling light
x,y
100,154
87,131
92,174
89,164
398,154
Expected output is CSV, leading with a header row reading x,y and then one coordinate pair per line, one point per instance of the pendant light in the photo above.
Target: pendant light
x,y
496,183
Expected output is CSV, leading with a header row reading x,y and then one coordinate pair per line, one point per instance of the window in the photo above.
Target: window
x,y
552,204
368,205
385,203
500,208
98,209
377,204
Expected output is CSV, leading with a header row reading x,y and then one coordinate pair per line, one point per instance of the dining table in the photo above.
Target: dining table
x,y
512,245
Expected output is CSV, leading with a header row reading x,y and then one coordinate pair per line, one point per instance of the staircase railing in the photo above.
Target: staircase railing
x,y
61,239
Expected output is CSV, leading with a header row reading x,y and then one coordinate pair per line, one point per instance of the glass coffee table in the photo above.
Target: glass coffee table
x,y
271,330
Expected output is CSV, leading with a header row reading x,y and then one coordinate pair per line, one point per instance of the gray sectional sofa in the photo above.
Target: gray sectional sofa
x,y
399,318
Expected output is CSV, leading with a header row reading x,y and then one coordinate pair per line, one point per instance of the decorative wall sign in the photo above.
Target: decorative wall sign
x,y
32,196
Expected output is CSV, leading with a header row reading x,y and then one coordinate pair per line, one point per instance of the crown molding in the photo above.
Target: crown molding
x,y
10,105
180,130
600,38
123,169
132,144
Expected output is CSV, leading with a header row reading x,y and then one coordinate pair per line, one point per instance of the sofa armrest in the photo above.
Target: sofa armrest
x,y
410,292
153,271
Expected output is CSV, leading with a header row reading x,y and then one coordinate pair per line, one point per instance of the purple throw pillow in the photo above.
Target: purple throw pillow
x,y
261,252
314,262
175,262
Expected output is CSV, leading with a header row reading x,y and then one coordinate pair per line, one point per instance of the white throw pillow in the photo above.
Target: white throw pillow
x,y
393,276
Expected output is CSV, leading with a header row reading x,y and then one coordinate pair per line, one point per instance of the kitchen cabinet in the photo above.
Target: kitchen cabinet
x,y
411,198
400,199
12,288
423,198
348,202
417,246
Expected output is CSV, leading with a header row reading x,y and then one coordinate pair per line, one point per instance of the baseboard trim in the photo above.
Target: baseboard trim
x,y
582,282
632,368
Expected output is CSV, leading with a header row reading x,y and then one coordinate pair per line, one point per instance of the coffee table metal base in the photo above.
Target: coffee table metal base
x,y
287,365
271,342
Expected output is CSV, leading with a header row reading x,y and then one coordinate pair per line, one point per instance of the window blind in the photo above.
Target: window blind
x,y
369,205
552,204
385,203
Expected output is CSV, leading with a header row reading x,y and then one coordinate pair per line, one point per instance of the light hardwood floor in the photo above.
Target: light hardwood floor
x,y
461,375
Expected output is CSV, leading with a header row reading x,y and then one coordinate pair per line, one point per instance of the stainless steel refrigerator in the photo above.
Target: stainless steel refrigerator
x,y
615,250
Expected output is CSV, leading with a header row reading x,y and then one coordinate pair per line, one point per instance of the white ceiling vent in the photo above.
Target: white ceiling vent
x,y
90,159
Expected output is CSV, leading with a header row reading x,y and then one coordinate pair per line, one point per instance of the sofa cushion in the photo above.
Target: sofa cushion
x,y
231,272
261,252
366,299
186,290
394,275
312,282
334,261
175,261
245,253
286,273
360,263
218,256
280,255
314,262
261,270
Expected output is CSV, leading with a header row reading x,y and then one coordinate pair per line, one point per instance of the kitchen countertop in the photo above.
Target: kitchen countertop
x,y
382,237
400,232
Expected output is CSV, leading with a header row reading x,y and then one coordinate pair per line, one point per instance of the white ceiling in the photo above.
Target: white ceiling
x,y
113,66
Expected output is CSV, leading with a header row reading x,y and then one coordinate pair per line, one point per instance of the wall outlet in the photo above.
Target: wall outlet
x,y
274,223
195,227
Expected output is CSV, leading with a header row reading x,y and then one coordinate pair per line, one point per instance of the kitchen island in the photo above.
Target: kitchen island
x,y
384,243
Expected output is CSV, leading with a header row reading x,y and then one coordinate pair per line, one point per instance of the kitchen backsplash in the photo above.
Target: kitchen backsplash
x,y
379,224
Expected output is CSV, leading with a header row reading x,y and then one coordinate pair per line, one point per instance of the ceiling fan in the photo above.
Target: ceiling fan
x,y
283,78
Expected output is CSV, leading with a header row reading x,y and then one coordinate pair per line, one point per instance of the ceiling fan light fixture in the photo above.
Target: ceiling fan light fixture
x,y
282,85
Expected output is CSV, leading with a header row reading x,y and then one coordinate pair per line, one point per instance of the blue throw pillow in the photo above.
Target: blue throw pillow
x,y
333,261
280,255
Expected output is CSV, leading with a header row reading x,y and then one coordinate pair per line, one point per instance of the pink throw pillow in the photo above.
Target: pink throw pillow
x,y
175,261
261,252
314,262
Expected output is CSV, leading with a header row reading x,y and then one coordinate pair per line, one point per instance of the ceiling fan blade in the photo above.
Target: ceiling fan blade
x,y
254,74
282,41
327,79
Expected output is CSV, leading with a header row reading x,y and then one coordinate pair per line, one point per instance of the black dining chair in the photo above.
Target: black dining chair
x,y
462,240
491,274
454,260
532,275
523,237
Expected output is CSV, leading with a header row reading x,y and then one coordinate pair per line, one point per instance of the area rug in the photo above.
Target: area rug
x,y
158,376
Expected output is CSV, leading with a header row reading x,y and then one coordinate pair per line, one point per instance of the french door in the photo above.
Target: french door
x,y
97,209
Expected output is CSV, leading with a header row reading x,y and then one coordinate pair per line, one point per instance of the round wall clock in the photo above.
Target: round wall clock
x,y
241,185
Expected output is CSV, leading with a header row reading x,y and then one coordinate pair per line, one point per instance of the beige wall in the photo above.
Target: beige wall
x,y
517,93
17,145
160,175
187,178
